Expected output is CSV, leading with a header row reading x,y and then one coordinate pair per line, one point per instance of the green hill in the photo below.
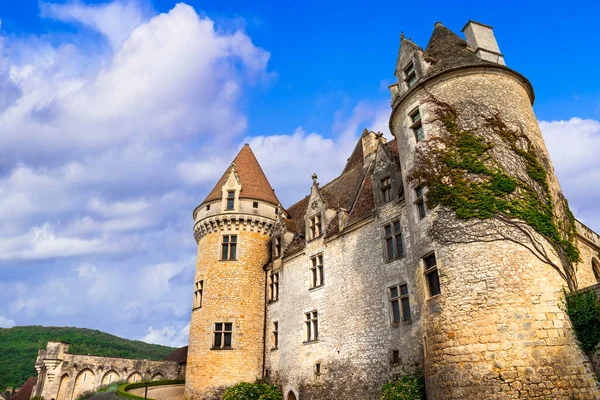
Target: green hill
x,y
19,347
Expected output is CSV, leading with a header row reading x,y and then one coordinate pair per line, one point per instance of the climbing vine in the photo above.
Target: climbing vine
x,y
583,310
492,184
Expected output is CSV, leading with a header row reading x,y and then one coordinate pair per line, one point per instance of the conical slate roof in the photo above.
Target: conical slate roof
x,y
448,51
252,178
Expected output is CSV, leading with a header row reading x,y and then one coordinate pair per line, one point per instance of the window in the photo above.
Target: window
x,y
255,204
395,357
400,303
275,335
208,207
277,246
420,203
315,226
223,335
311,320
274,286
230,199
229,250
198,288
317,368
410,76
386,190
596,269
316,271
431,273
394,247
417,125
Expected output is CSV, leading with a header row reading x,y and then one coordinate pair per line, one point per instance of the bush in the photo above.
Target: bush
x,y
37,398
408,387
584,312
252,391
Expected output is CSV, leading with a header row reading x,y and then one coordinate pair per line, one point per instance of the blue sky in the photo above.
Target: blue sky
x,y
118,117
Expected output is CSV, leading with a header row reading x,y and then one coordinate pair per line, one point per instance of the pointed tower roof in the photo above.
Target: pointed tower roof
x,y
252,178
448,50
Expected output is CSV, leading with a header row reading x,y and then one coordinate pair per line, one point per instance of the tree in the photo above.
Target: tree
x,y
490,184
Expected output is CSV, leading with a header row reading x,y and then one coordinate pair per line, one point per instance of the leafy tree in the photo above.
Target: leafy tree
x,y
408,387
252,391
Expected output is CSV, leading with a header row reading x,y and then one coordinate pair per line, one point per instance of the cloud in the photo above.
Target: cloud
x,y
6,323
168,336
574,146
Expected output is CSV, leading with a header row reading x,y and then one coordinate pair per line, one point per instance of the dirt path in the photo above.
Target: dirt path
x,y
170,392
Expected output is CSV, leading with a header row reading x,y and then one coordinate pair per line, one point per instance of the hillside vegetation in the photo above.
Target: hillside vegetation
x,y
19,347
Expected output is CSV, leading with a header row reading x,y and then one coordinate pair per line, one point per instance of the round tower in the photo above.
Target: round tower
x,y
493,326
232,228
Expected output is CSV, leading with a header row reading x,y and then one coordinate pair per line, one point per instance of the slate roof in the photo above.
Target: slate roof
x,y
179,355
447,50
352,190
25,392
252,178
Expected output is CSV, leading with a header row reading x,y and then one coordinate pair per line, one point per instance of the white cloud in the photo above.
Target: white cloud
x,y
6,323
574,146
168,336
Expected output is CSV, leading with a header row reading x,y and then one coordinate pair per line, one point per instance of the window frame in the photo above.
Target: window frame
x,y
229,247
255,204
198,294
396,239
230,206
317,274
222,332
400,299
273,286
410,74
416,125
385,189
277,246
432,272
275,343
311,323
421,203
315,226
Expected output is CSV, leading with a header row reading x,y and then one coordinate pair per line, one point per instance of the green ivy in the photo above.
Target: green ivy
x,y
462,174
584,312
408,387
252,391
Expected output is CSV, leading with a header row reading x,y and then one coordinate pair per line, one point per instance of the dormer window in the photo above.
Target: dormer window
x,y
315,227
410,76
230,199
386,189
417,125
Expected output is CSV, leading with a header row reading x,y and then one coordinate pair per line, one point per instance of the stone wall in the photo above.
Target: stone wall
x,y
496,331
234,292
64,376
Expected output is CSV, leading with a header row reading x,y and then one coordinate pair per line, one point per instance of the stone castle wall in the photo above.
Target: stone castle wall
x,y
64,376
234,291
497,330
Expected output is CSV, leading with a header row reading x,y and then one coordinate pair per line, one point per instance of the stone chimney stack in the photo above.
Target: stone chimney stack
x,y
480,38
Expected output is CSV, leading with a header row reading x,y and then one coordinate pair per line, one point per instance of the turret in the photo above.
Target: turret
x,y
232,227
493,326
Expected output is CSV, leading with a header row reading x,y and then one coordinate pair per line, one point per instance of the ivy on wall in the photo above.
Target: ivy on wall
x,y
483,169
584,312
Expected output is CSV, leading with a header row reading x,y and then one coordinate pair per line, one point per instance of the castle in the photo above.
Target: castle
x,y
362,281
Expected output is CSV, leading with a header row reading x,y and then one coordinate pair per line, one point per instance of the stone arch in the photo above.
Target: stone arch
x,y
134,377
110,377
157,377
596,269
292,395
62,388
84,382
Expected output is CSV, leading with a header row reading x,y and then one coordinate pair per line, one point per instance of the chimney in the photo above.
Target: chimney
x,y
480,38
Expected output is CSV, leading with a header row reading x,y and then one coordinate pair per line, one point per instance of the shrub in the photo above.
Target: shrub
x,y
408,387
584,312
37,398
252,391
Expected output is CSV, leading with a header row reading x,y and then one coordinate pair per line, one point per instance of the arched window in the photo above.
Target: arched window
x,y
596,269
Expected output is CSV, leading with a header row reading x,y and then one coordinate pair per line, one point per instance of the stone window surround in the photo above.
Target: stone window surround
x,y
317,271
229,244
415,121
275,335
311,324
429,271
312,221
400,298
277,245
198,294
385,188
420,201
409,73
223,332
274,279
394,235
